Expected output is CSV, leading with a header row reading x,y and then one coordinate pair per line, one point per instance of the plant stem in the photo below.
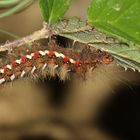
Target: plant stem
x,y
43,33
9,33
8,2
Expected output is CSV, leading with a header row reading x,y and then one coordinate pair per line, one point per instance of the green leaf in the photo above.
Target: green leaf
x,y
53,10
120,18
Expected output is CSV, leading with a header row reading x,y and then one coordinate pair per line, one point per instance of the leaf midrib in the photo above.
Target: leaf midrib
x,y
51,12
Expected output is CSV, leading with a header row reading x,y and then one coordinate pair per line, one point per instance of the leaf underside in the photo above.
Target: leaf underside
x,y
128,56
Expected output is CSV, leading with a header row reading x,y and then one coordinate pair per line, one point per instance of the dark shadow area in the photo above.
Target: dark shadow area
x,y
121,115
57,90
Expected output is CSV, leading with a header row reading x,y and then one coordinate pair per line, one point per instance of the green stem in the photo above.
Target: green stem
x,y
8,33
8,2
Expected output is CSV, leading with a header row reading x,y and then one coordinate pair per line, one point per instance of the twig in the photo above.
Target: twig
x,y
43,33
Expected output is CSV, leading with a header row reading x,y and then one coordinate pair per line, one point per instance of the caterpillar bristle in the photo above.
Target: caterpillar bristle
x,y
52,70
64,73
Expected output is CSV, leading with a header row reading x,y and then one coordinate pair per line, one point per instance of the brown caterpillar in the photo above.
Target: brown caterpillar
x,y
53,62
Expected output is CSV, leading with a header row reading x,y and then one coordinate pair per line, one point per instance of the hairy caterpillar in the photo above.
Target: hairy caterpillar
x,y
54,61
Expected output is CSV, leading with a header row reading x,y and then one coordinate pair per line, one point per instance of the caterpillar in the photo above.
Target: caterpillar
x,y
53,61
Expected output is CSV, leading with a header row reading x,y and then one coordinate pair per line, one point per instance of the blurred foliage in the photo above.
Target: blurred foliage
x,y
10,7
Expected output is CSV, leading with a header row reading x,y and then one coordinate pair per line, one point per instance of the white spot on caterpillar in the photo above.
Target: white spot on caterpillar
x,y
22,74
42,53
61,55
57,54
12,77
46,51
33,69
18,61
32,54
1,70
9,67
2,80
29,56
